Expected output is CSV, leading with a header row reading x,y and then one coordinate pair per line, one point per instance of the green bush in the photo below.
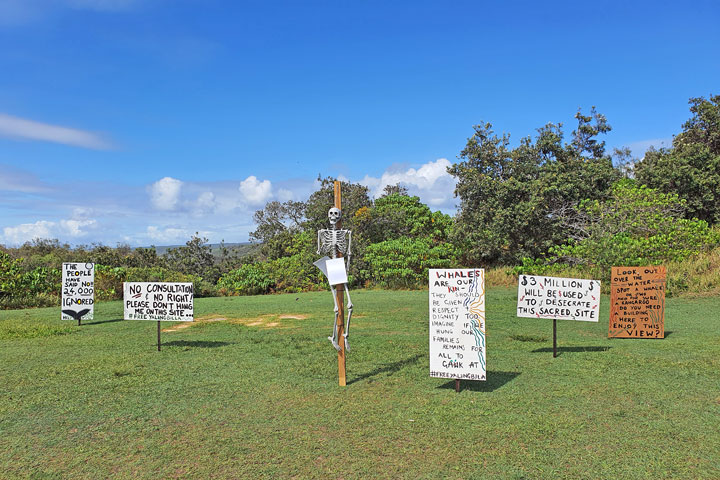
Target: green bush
x,y
404,262
249,279
109,280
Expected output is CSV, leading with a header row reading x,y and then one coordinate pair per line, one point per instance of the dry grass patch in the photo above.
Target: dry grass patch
x,y
182,326
270,320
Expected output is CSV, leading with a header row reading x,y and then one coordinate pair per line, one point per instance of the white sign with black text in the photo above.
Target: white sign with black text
x,y
165,301
78,291
457,323
558,298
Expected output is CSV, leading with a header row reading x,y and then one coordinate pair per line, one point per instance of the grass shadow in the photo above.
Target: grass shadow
x,y
99,322
561,350
195,343
387,368
494,381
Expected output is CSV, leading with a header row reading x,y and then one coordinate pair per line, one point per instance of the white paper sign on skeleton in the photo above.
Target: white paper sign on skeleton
x,y
333,269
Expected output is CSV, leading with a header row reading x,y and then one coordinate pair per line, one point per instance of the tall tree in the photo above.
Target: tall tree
x,y
691,167
512,199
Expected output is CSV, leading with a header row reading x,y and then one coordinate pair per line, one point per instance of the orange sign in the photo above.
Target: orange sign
x,y
637,302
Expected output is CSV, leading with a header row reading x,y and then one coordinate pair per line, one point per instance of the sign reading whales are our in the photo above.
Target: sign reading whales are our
x,y
558,298
78,291
457,323
158,301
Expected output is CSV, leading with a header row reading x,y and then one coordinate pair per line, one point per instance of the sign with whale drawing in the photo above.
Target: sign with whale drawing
x,y
78,291
457,323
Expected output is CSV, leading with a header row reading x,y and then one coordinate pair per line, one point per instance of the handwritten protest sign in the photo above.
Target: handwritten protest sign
x,y
78,291
637,302
457,323
558,298
158,301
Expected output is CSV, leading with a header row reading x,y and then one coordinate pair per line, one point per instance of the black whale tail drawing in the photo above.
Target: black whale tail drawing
x,y
76,315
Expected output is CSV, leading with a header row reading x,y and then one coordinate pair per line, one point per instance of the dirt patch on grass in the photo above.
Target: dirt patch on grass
x,y
271,320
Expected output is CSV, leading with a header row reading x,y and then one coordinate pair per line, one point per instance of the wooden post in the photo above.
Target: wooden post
x,y
340,297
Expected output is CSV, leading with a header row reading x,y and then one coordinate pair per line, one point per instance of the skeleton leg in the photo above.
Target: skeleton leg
x,y
333,339
349,316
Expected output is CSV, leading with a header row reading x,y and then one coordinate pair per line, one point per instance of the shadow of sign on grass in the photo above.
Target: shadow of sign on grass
x,y
494,381
561,350
195,343
100,322
389,368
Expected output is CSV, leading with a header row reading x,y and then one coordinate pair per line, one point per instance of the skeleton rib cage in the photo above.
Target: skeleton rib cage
x,y
331,240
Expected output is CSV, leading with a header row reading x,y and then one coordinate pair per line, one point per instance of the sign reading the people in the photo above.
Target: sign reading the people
x,y
558,298
637,302
158,301
78,291
457,324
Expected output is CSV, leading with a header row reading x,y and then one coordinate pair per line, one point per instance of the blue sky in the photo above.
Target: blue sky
x,y
144,121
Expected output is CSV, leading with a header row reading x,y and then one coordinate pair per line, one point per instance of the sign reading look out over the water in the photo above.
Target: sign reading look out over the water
x,y
457,323
558,298
637,302
78,291
158,301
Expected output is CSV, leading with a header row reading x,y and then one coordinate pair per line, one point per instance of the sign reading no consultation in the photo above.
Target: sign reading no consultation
x,y
158,301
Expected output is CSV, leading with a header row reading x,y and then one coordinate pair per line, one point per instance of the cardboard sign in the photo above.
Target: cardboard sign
x,y
558,298
172,302
457,323
637,302
78,291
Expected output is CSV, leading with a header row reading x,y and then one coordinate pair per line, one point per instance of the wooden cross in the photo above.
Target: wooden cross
x,y
340,298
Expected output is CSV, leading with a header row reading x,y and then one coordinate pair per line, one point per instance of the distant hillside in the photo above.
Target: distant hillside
x,y
238,248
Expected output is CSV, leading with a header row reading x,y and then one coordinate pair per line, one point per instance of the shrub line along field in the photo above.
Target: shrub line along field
x,y
250,391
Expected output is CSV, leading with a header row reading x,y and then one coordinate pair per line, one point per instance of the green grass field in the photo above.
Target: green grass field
x,y
254,394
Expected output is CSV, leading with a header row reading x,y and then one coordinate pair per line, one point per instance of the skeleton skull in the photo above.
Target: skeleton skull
x,y
334,215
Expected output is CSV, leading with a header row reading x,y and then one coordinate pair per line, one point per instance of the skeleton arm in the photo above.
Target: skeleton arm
x,y
349,252
318,242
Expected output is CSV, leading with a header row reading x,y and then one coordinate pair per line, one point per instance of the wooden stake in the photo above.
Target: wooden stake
x,y
340,297
457,385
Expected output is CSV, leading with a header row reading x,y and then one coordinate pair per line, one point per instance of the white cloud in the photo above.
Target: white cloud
x,y
431,182
16,127
73,227
254,191
46,229
206,200
168,235
165,193
284,195
28,231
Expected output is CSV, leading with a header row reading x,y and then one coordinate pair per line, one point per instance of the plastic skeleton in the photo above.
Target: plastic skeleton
x,y
331,242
